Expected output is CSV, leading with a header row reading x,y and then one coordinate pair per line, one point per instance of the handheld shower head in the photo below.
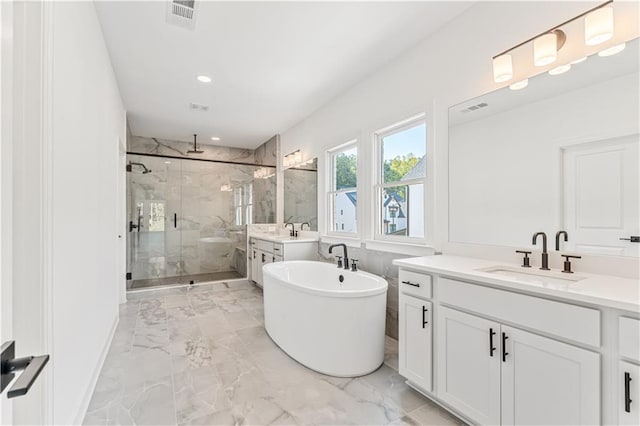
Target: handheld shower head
x,y
195,148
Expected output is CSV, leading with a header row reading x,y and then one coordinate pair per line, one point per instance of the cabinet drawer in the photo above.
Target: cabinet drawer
x,y
266,246
561,319
278,249
415,284
629,338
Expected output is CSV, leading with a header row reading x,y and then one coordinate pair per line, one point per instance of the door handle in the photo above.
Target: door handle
x,y
627,392
132,226
491,347
633,239
504,347
9,365
175,220
424,321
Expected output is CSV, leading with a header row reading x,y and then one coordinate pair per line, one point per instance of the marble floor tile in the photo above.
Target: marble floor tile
x,y
200,355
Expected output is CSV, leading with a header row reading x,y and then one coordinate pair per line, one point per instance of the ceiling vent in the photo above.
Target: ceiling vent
x,y
182,13
475,107
198,107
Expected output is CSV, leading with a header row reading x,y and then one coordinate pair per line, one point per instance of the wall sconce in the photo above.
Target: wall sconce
x,y
598,26
293,159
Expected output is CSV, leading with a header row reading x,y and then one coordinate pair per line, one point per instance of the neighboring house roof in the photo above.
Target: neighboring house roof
x,y
353,197
393,196
418,171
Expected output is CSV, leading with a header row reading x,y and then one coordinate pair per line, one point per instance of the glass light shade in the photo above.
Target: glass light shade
x,y
285,161
598,26
545,49
612,50
297,157
519,84
502,68
579,61
560,69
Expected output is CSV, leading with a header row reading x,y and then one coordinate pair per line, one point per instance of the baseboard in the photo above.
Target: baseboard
x,y
438,403
82,412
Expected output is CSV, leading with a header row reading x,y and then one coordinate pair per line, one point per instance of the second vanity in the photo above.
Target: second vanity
x,y
267,248
499,344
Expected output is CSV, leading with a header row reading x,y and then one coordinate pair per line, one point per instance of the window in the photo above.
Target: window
x,y
243,204
400,185
343,189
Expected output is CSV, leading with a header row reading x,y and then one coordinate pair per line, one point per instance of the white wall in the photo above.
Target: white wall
x,y
88,120
449,67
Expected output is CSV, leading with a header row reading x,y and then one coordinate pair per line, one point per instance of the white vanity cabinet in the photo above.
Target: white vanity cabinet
x,y
498,356
264,250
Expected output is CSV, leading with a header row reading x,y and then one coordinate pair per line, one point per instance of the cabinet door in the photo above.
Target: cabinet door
x,y
548,382
263,258
469,365
255,264
415,360
629,394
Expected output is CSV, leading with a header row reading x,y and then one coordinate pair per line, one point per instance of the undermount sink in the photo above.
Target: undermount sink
x,y
534,276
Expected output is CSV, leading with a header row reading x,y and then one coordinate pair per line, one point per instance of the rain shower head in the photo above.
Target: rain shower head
x,y
195,149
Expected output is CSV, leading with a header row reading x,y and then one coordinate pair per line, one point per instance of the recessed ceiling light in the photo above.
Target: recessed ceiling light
x,y
204,79
519,84
215,138
612,50
560,70
578,61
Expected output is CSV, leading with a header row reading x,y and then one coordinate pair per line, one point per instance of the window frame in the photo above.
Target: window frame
x,y
331,191
379,185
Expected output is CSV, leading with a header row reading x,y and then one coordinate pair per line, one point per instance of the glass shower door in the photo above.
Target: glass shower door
x,y
153,205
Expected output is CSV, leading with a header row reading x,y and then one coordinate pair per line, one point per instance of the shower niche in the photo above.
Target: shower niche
x,y
187,218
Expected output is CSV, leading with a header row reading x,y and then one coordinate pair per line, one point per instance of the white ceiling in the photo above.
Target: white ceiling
x,y
272,63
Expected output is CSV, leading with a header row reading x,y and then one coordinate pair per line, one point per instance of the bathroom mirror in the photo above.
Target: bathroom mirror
x,y
301,194
561,153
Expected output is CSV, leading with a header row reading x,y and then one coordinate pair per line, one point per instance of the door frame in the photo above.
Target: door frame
x,y
26,287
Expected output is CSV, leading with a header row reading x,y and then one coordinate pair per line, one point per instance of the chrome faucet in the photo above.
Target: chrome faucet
x,y
566,238
545,255
346,258
293,228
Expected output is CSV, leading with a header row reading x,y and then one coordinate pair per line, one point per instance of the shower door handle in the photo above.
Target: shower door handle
x,y
175,220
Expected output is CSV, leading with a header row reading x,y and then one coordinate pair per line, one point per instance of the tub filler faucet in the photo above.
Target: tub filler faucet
x,y
344,252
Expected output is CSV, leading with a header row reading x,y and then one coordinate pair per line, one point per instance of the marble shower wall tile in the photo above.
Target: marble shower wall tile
x,y
267,153
378,263
142,145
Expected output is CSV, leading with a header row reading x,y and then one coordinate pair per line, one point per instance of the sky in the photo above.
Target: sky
x,y
407,141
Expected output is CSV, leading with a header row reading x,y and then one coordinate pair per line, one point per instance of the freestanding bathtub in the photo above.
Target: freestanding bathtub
x,y
328,319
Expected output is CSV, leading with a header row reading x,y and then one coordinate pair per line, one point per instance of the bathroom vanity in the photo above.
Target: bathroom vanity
x,y
501,344
267,248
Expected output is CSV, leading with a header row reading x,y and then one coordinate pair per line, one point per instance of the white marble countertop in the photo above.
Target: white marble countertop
x,y
286,239
602,290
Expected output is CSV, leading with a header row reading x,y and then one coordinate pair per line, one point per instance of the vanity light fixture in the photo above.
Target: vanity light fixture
x,y
519,84
226,187
545,47
560,69
598,28
293,159
610,51
204,79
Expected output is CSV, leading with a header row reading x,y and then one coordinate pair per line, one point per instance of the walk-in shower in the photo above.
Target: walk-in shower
x,y
187,218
